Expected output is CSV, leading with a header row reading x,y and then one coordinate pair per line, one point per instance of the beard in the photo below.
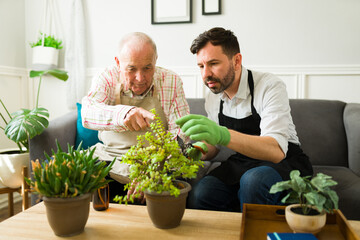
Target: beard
x,y
223,83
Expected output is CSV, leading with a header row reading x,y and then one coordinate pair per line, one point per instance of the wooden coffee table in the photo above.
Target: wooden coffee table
x,y
130,222
125,222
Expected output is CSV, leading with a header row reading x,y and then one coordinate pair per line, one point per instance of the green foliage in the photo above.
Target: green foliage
x,y
69,174
25,124
315,192
156,162
49,41
59,74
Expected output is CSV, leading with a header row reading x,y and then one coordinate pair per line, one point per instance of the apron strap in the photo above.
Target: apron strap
x,y
117,93
251,86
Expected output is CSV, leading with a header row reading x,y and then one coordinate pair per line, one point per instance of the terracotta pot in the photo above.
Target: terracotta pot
x,y
166,211
68,216
11,163
304,223
45,58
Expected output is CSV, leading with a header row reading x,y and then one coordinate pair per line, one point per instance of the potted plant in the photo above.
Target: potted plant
x,y
46,52
156,165
21,126
311,199
66,181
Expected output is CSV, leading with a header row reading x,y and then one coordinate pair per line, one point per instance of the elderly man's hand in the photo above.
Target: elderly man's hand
x,y
133,193
138,119
200,128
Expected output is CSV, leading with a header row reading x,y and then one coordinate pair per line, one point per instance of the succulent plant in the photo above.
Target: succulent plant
x,y
156,161
68,174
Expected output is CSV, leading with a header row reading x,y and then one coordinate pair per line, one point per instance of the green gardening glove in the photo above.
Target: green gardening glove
x,y
196,151
200,128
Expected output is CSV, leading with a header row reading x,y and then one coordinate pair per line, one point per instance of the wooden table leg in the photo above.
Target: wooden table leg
x,y
11,204
25,189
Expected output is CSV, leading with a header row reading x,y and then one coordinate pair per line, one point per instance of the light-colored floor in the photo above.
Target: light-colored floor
x,y
4,212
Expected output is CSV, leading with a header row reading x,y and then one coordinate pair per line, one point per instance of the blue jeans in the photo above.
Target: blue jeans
x,y
212,194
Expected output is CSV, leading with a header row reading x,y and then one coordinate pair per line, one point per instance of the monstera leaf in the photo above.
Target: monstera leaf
x,y
27,124
59,74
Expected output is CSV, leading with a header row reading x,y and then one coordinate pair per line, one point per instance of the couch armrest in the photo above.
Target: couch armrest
x,y
352,128
63,129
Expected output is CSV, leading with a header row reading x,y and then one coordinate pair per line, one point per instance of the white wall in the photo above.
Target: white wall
x,y
12,30
292,35
13,82
312,45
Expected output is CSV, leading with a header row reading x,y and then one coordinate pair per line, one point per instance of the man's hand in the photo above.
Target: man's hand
x,y
200,128
132,192
196,151
138,119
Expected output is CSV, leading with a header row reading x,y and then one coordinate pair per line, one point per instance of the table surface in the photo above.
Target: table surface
x,y
130,222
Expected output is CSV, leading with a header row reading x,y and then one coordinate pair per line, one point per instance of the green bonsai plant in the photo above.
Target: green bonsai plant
x,y
49,41
25,124
309,192
156,162
68,174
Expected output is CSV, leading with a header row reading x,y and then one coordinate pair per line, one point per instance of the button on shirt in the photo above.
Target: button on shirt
x,y
270,101
99,111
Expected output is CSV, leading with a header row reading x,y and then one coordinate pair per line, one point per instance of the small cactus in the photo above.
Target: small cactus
x,y
68,174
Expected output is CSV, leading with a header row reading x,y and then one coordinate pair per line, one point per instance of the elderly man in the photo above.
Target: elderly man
x,y
121,96
249,113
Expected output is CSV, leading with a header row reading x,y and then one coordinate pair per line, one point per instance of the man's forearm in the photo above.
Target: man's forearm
x,y
104,117
257,147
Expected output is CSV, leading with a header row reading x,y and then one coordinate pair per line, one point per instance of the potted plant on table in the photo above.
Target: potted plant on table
x,y
311,199
21,126
156,165
46,52
66,181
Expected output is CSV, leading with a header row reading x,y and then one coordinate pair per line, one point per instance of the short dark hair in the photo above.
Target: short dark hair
x,y
217,36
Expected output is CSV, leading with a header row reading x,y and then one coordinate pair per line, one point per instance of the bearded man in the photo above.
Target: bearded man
x,y
249,113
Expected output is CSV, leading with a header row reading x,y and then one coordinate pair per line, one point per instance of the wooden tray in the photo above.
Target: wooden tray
x,y
258,220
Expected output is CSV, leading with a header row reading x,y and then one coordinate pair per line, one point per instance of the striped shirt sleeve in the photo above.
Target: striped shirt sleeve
x,y
98,107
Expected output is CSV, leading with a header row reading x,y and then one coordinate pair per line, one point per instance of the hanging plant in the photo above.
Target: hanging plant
x,y
49,41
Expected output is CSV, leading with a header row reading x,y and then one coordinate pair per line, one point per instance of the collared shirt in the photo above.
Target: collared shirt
x,y
99,111
270,101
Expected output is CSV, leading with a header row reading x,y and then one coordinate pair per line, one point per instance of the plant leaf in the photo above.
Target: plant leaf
x,y
315,199
280,186
322,182
59,74
26,124
298,184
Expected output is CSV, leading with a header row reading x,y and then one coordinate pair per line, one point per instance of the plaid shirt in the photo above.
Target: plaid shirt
x,y
99,111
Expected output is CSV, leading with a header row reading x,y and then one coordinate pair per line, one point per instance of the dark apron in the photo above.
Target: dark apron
x,y
236,165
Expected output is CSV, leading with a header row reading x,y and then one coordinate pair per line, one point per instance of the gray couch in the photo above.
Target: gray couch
x,y
328,130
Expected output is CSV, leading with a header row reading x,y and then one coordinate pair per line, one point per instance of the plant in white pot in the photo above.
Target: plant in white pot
x,y
46,52
156,165
311,199
19,127
66,181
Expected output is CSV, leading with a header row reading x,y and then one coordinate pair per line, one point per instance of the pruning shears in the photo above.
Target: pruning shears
x,y
186,146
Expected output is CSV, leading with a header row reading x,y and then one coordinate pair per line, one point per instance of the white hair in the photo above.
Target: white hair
x,y
138,37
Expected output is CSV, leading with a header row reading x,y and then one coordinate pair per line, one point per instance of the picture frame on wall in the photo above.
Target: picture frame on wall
x,y
169,12
211,7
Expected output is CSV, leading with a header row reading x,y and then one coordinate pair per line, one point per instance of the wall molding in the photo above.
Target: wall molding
x,y
298,76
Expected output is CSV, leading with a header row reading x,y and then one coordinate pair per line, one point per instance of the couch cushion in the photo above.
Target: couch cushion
x,y
197,106
348,189
352,126
87,136
320,127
